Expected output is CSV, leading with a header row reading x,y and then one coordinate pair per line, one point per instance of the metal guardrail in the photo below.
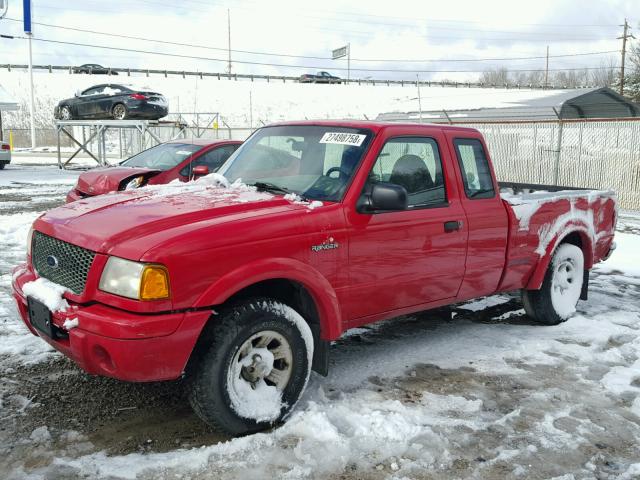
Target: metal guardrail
x,y
285,78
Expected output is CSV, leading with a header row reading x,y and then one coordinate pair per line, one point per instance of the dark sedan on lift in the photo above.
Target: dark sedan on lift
x,y
111,101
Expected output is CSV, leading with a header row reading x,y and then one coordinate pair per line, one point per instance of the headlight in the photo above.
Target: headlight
x,y
134,183
135,280
29,240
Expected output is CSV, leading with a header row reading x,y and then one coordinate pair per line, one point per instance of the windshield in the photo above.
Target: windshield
x,y
163,156
316,162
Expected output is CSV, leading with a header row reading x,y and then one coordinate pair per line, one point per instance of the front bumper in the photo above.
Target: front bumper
x,y
74,194
119,344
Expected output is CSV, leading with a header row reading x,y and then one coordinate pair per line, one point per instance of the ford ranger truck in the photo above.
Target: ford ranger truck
x,y
238,281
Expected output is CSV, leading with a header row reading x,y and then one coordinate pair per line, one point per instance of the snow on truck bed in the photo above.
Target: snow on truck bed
x,y
526,205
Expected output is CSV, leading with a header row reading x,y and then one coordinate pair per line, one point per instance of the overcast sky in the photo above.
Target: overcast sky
x,y
441,31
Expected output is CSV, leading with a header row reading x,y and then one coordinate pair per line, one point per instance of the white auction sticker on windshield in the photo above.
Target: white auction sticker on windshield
x,y
342,138
183,152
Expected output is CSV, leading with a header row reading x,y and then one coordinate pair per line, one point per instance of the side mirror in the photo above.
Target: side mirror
x,y
78,93
383,196
200,171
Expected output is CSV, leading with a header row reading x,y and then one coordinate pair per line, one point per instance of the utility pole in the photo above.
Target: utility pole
x,y
624,37
229,32
348,62
546,70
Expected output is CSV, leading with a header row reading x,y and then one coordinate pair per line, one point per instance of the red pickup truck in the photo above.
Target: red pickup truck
x,y
238,281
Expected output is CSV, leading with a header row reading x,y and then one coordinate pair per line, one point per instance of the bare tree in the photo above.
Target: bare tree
x,y
606,74
496,76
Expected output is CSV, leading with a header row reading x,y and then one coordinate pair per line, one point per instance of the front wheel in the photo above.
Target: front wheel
x,y
556,300
252,366
65,113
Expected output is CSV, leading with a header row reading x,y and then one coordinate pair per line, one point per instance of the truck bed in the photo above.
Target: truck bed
x,y
540,216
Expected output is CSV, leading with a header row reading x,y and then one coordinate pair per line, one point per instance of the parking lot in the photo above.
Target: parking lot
x,y
477,390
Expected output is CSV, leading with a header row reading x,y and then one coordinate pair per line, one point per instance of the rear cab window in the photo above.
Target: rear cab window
x,y
474,166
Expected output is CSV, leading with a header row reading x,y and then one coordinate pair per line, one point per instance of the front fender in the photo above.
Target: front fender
x,y
320,289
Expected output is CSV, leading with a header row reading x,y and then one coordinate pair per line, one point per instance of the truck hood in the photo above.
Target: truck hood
x,y
129,223
108,179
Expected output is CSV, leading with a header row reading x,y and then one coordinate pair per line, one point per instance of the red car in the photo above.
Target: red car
x,y
241,286
178,159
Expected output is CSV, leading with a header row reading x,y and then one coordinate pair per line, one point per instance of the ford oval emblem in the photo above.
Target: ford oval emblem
x,y
52,261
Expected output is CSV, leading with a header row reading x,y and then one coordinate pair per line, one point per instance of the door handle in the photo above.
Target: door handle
x,y
452,226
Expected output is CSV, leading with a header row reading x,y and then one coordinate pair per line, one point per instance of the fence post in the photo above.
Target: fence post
x,y
556,170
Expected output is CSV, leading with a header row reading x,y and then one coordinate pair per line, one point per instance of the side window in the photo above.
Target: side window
x,y
92,91
474,165
212,159
414,163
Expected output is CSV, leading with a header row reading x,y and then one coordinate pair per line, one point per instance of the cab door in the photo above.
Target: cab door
x,y
486,215
413,257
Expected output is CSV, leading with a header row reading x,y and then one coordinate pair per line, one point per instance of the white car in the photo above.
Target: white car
x,y
5,154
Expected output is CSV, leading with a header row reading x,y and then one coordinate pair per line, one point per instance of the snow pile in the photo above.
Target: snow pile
x,y
49,293
298,200
70,323
213,186
625,258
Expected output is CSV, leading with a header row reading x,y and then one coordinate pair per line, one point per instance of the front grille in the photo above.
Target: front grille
x,y
61,262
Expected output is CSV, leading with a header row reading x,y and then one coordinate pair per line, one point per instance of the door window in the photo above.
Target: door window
x,y
415,164
474,165
212,159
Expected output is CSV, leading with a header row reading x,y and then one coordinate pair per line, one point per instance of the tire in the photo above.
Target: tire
x,y
119,112
2,166
558,296
65,113
261,341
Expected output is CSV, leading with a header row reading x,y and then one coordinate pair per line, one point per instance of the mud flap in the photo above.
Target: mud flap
x,y
584,293
320,363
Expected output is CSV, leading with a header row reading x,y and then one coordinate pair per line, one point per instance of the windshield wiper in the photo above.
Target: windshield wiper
x,y
272,187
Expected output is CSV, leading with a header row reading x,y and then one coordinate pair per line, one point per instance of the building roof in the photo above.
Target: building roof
x,y
6,102
545,105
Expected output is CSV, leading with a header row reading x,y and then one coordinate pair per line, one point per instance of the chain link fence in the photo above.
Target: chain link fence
x,y
603,154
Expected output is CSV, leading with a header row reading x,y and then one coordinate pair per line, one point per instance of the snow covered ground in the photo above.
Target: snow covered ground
x,y
477,393
270,102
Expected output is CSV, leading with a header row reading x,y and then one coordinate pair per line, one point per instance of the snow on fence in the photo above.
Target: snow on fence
x,y
602,154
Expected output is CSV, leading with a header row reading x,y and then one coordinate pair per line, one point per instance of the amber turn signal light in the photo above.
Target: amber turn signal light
x,y
154,284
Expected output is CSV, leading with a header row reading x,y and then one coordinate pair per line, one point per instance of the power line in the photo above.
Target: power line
x,y
540,36
195,57
359,15
251,52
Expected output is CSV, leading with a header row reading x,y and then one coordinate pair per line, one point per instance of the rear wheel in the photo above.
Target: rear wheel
x,y
119,111
556,300
251,367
